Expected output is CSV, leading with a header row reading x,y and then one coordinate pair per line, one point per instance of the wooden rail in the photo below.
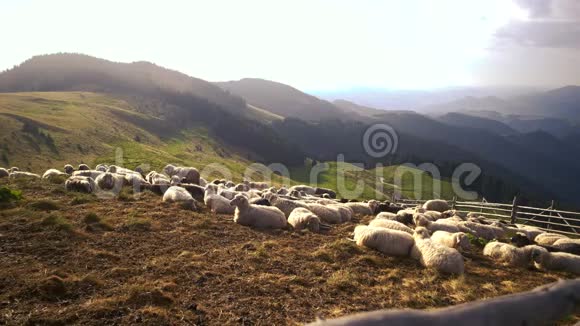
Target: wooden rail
x,y
548,219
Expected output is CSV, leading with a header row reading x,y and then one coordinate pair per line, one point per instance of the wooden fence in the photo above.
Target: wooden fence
x,y
548,219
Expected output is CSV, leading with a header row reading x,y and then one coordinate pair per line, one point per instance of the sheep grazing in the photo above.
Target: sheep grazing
x,y
421,220
53,173
556,261
363,209
457,240
435,255
438,205
68,169
216,203
257,216
23,175
80,184
109,181
387,241
83,167
547,239
175,194
510,255
301,218
544,305
191,175
4,173
285,205
390,224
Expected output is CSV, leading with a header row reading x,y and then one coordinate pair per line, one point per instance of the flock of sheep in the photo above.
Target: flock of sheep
x,y
432,234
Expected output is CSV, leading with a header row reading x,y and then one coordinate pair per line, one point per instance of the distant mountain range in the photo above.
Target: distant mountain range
x,y
278,123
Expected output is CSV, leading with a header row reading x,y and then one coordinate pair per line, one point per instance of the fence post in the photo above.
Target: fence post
x,y
514,210
549,225
453,202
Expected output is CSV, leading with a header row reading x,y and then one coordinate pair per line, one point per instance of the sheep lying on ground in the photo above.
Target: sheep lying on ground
x,y
405,216
53,173
390,224
68,169
421,220
80,184
363,209
4,173
487,232
155,178
23,175
191,175
510,255
83,167
216,203
329,213
87,173
434,255
202,182
544,305
257,216
175,194
387,241
302,218
556,261
531,231
457,240
285,205
260,201
303,188
256,185
438,205
110,181
346,213
548,238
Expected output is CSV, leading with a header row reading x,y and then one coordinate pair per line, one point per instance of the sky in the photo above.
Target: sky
x,y
313,44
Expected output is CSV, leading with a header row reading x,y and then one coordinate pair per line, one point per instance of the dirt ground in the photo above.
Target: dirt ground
x,y
69,258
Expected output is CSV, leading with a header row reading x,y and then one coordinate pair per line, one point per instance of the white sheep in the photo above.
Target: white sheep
x,y
328,214
283,204
23,175
487,232
303,188
432,215
457,240
548,239
301,218
53,173
390,224
13,169
68,169
556,261
346,213
543,305
175,194
363,209
510,255
102,168
564,241
422,221
88,173
257,216
80,184
83,167
434,255
110,181
4,173
155,178
217,203
436,205
387,241
188,174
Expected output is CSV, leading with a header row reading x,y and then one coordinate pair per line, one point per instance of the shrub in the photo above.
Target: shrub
x,y
8,195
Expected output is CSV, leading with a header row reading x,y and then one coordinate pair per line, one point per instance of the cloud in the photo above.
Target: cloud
x,y
544,34
536,8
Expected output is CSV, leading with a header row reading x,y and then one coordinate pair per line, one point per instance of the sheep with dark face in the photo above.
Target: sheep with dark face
x,y
80,184
4,173
69,169
257,216
188,174
83,167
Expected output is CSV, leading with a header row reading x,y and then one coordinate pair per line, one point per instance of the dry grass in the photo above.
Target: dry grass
x,y
163,265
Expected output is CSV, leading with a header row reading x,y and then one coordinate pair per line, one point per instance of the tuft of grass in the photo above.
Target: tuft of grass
x,y
44,205
126,194
91,218
81,198
8,195
58,222
475,241
342,280
343,249
138,224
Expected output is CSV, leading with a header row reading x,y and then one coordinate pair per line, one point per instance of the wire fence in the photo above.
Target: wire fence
x,y
548,219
